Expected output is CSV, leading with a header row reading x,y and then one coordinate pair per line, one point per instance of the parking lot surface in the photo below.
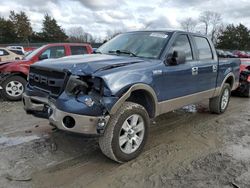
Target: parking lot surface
x,y
186,148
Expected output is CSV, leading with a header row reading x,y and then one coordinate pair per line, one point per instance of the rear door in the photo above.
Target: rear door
x,y
206,66
78,50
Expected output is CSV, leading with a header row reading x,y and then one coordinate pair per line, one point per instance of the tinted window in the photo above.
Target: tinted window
x,y
77,50
3,52
54,52
203,47
182,44
18,52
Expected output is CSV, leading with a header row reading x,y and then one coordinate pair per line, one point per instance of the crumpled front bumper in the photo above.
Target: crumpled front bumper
x,y
63,120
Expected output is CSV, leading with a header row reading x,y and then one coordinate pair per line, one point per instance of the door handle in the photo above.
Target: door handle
x,y
195,70
215,68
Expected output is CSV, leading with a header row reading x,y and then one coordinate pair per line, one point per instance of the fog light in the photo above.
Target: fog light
x,y
89,102
101,123
69,122
101,126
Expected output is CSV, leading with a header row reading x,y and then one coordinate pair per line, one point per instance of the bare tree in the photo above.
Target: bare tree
x,y
77,34
189,24
216,24
112,33
211,20
205,18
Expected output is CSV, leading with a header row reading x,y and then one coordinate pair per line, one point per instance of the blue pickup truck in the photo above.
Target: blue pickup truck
x,y
130,80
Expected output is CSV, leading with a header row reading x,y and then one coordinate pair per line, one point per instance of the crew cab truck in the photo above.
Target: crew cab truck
x,y
13,74
130,80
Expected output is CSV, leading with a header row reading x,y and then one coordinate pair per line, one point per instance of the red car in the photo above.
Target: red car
x,y
244,86
13,74
241,54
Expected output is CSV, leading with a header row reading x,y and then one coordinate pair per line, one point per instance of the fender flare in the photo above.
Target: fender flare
x,y
127,94
234,84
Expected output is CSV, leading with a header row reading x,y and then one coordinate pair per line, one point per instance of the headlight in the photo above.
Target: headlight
x,y
75,85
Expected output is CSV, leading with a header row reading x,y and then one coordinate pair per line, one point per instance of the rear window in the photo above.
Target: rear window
x,y
3,52
18,52
77,50
203,47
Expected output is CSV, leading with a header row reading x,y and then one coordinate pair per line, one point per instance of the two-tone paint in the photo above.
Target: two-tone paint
x,y
162,87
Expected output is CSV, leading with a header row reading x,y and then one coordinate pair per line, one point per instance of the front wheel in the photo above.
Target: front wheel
x,y
13,88
126,133
220,103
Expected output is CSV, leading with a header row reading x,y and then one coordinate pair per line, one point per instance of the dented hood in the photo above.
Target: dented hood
x,y
87,64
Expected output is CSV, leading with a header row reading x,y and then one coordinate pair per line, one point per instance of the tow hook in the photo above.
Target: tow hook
x,y
101,125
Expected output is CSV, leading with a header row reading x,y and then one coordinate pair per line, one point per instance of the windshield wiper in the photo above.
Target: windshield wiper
x,y
123,52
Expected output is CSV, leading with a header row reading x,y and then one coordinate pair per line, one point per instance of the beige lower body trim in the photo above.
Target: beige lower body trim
x,y
173,104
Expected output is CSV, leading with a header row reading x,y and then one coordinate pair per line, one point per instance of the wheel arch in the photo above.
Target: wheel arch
x,y
142,94
230,79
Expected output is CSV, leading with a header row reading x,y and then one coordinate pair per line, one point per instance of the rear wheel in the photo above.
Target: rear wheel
x,y
246,92
126,133
220,103
13,88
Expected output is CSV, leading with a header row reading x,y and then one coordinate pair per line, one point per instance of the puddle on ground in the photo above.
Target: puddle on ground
x,y
195,108
13,141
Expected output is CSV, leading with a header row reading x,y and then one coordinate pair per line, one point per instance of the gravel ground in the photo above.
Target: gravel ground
x,y
186,148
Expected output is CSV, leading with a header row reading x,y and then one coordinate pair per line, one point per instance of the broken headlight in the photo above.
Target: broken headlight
x,y
85,85
75,86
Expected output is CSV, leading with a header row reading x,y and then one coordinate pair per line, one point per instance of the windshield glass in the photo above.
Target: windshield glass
x,y
140,44
33,53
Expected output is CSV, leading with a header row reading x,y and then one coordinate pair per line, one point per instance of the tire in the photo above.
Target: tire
x,y
219,104
246,92
13,88
119,144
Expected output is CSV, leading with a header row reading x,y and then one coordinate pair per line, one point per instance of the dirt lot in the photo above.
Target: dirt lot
x,y
186,148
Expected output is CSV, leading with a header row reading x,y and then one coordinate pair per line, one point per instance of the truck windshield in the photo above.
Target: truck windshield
x,y
137,44
33,53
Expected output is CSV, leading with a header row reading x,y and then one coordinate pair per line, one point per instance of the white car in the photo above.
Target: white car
x,y
7,55
16,48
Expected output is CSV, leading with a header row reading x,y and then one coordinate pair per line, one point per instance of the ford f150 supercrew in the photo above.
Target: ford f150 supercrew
x,y
131,79
13,74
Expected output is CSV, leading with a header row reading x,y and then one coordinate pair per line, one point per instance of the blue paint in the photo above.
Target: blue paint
x,y
121,72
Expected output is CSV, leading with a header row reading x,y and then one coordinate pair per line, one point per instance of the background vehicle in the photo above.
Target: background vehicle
x,y
221,54
16,48
29,49
241,54
230,54
244,86
13,74
7,55
133,78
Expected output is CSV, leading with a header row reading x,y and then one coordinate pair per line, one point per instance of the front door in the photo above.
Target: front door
x,y
177,80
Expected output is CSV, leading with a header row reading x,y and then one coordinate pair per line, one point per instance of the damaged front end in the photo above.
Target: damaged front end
x,y
244,86
83,106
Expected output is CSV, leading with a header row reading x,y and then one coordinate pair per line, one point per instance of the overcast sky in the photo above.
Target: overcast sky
x,y
98,16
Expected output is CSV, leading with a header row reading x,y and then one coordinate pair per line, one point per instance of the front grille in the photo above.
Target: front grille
x,y
50,81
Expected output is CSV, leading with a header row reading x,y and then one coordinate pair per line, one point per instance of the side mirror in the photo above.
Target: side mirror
x,y
176,58
44,56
